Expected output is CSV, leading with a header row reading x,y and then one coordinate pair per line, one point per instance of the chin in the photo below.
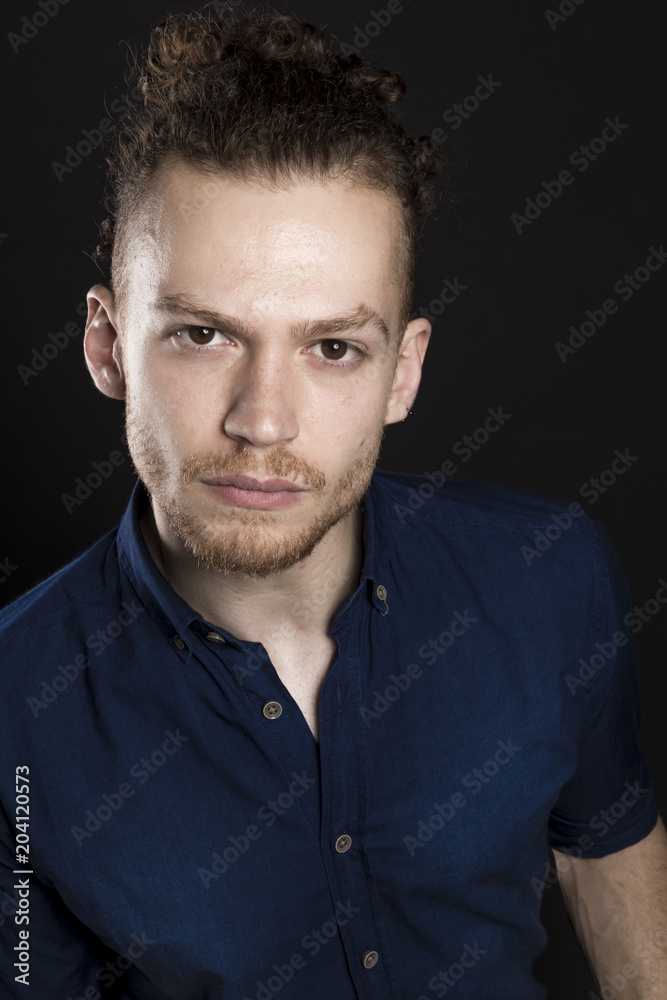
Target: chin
x,y
255,543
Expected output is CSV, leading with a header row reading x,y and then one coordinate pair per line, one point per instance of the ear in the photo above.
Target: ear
x,y
408,369
102,343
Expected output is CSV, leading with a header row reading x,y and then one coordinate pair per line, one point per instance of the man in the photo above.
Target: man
x,y
297,726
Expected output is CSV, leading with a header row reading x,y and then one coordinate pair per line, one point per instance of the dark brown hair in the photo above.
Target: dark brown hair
x,y
265,97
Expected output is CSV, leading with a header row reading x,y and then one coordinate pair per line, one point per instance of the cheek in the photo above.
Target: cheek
x,y
329,412
351,404
178,411
340,425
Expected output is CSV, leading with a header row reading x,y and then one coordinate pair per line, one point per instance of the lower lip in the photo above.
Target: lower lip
x,y
259,499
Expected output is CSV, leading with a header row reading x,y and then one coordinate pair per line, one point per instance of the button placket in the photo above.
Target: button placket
x,y
243,671
342,752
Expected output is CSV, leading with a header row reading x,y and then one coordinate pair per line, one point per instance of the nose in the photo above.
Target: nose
x,y
262,406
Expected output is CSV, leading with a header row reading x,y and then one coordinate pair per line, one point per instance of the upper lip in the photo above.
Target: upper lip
x,y
248,483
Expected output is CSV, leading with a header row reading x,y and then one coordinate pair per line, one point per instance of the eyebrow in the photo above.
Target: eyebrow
x,y
177,303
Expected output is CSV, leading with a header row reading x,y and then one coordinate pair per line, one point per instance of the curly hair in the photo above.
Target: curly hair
x,y
265,97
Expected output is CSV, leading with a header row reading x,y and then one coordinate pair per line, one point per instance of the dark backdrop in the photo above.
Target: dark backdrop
x,y
523,286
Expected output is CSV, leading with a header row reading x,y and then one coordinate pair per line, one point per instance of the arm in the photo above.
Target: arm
x,y
64,957
618,907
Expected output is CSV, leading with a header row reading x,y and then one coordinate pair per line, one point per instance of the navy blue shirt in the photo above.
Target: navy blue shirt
x,y
189,838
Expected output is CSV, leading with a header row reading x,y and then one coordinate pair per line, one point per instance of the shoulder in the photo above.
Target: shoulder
x,y
533,562
71,593
507,536
442,499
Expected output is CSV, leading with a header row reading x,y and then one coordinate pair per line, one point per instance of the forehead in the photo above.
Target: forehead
x,y
255,244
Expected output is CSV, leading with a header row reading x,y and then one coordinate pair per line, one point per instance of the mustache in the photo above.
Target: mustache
x,y
244,460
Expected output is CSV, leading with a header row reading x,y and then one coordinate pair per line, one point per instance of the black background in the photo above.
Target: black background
x,y
494,346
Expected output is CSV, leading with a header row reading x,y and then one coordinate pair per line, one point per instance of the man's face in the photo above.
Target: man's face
x,y
280,368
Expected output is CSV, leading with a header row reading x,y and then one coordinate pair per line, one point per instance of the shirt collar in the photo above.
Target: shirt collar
x,y
174,616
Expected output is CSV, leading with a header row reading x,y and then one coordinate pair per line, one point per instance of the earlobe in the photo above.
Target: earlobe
x,y
408,370
102,343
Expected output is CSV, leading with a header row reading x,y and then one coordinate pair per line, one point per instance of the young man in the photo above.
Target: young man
x,y
285,729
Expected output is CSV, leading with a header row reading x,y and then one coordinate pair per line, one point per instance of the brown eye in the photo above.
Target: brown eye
x,y
199,336
334,350
337,353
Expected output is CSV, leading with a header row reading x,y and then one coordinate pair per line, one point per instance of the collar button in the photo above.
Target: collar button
x,y
214,637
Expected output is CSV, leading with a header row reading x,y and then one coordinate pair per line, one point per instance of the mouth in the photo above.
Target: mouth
x,y
244,491
248,483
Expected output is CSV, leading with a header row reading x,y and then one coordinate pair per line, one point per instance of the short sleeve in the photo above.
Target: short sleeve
x,y
609,802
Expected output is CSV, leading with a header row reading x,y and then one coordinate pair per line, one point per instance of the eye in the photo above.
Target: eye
x,y
199,336
335,350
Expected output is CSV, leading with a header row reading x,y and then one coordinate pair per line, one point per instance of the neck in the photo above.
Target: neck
x,y
301,600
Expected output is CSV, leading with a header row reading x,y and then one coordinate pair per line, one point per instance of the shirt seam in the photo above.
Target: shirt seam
x,y
602,578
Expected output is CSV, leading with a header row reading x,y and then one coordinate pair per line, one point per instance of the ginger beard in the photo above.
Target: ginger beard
x,y
228,539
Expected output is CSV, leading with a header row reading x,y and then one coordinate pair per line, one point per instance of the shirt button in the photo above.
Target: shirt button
x,y
370,959
272,710
178,642
382,593
214,637
343,843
